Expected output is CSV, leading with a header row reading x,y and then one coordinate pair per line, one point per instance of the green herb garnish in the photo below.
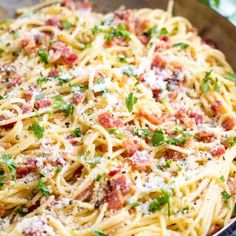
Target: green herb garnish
x,y
130,101
43,188
181,45
43,56
37,129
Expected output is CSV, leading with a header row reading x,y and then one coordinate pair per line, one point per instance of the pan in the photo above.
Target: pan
x,y
211,26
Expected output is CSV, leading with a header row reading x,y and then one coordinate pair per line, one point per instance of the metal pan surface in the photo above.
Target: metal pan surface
x,y
210,24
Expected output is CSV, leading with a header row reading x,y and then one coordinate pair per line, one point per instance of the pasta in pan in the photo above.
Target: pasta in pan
x,y
119,124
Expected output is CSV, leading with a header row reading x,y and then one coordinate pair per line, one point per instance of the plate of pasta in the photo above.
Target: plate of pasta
x,y
119,124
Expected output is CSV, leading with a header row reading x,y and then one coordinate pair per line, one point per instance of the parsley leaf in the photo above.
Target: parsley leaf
x,y
119,32
133,204
205,85
129,71
60,104
163,31
231,77
225,195
99,177
37,129
152,32
222,178
122,58
2,181
66,25
98,233
43,188
43,56
180,139
95,30
181,45
77,132
216,86
157,203
10,164
158,138
130,101
58,169
230,141
42,80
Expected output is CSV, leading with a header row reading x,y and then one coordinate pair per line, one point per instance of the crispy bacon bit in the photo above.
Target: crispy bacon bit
x,y
131,147
120,182
79,98
113,172
141,161
205,137
217,108
127,18
72,139
108,121
84,5
85,195
156,93
232,185
115,200
16,80
2,209
218,151
27,95
158,62
28,45
197,117
26,108
214,229
42,103
53,73
23,170
174,155
53,22
152,118
68,57
229,124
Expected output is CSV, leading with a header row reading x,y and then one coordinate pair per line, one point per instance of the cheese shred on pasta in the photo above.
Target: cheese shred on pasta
x,y
119,124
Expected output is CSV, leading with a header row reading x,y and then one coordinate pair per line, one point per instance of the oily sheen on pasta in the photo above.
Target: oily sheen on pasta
x,y
119,124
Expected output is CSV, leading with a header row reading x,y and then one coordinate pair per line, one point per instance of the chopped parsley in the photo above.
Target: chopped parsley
x,y
60,104
205,85
66,25
158,138
133,204
37,129
43,56
129,71
1,51
58,169
225,195
119,32
99,177
122,58
130,101
222,178
43,188
98,233
9,162
21,211
76,132
152,32
230,141
95,30
163,31
181,45
231,77
2,181
180,139
42,80
157,203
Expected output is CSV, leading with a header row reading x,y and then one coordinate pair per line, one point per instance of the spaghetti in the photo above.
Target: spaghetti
x,y
116,124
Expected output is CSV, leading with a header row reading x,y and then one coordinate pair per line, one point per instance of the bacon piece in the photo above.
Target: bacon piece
x,y
115,200
214,229
86,194
232,185
68,57
23,170
152,118
53,22
141,161
173,155
28,45
69,4
158,62
27,95
120,182
107,121
84,5
130,147
127,18
16,80
26,108
79,98
2,209
229,124
53,73
205,137
217,108
197,117
113,172
218,151
42,103
156,93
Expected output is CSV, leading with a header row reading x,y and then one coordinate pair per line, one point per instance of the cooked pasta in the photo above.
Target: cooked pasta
x,y
119,124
